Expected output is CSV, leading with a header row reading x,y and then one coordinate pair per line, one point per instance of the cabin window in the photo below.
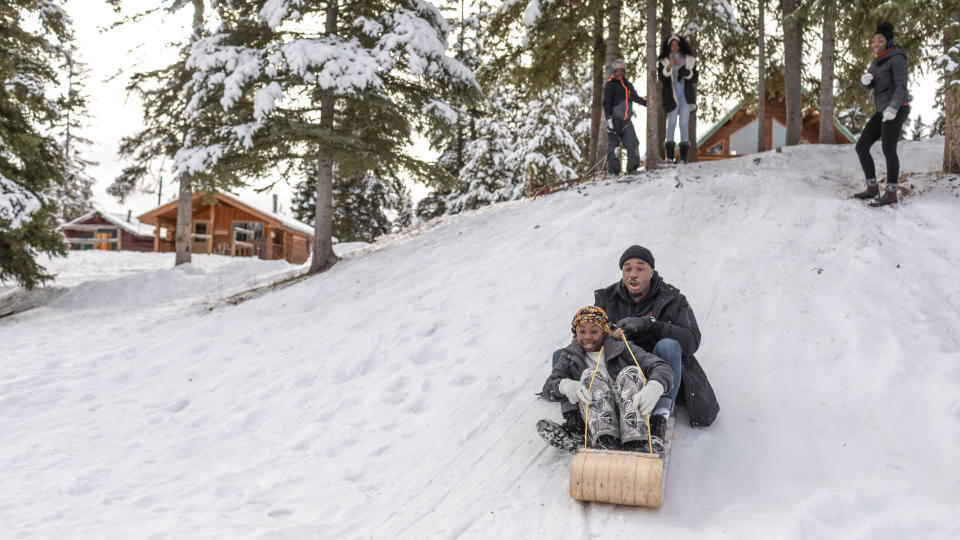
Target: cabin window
x,y
248,231
200,227
716,149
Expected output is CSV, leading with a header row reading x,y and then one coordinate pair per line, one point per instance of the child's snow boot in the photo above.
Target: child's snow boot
x,y
872,190
669,146
889,196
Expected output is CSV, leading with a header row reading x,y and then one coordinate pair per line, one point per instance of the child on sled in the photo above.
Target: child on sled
x,y
598,377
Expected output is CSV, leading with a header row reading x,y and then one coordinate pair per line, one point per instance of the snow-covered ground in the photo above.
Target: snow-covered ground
x,y
393,396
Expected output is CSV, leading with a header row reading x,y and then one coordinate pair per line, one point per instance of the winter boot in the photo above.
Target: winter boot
x,y
872,190
608,442
658,432
558,437
670,145
573,423
684,148
889,196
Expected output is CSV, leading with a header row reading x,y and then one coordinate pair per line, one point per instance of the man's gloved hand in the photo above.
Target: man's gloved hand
x,y
647,397
635,325
889,114
867,79
609,125
575,391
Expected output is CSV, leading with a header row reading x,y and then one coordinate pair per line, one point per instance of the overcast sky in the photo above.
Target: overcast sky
x,y
112,56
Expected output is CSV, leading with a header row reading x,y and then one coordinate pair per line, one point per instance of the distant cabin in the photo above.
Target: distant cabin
x,y
228,226
736,133
108,231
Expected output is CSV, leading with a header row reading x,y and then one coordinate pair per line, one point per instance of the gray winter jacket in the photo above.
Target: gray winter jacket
x,y
889,84
573,360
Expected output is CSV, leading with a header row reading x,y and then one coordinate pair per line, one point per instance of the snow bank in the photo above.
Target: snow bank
x,y
394,396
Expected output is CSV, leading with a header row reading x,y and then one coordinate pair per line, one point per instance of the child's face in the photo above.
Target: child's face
x,y
590,336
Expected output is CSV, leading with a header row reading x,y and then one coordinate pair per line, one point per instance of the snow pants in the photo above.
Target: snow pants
x,y
610,412
889,134
624,134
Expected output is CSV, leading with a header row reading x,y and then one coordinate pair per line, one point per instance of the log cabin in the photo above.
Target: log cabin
x,y
108,231
736,133
225,225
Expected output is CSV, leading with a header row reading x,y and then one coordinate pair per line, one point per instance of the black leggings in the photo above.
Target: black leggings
x,y
889,133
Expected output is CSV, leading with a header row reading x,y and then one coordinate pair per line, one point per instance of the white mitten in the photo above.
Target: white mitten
x,y
867,79
647,397
889,114
575,391
610,124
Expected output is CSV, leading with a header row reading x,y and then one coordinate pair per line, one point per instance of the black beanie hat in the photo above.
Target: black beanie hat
x,y
637,252
885,29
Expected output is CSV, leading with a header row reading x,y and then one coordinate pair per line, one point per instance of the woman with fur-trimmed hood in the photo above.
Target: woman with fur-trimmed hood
x,y
677,67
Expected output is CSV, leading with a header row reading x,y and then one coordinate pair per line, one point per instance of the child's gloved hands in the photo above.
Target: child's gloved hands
x,y
575,391
644,400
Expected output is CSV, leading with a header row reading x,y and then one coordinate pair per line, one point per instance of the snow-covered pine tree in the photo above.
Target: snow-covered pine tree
x,y
365,205
32,35
75,194
546,151
490,172
301,80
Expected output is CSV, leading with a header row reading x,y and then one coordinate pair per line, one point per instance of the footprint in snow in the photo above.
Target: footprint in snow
x,y
279,513
179,405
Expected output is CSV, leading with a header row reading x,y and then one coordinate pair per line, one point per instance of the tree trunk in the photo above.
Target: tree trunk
x,y
793,64
597,139
692,127
827,59
653,87
184,235
762,86
613,37
183,239
951,104
323,256
666,30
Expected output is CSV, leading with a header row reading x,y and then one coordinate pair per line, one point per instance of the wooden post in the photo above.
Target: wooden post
x,y
269,233
156,236
212,231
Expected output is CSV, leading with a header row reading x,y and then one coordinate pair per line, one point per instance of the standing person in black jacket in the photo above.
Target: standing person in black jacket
x,y
656,317
677,70
886,78
617,95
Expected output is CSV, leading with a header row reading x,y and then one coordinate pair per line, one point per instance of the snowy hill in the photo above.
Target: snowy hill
x,y
393,396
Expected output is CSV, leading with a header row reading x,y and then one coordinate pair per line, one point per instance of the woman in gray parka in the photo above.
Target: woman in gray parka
x,y
886,78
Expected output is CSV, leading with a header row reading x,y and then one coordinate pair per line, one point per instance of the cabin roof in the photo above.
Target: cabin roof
x,y
232,200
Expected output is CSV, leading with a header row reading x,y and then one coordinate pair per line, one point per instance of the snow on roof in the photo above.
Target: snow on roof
x,y
286,220
133,226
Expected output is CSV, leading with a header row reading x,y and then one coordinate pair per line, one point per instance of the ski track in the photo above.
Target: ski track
x,y
393,396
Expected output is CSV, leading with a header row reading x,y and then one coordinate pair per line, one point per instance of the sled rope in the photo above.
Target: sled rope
x,y
642,377
586,413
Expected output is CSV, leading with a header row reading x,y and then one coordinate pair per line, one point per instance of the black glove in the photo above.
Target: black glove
x,y
683,73
636,325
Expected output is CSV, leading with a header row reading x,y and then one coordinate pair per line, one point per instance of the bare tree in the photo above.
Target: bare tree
x,y
762,86
653,87
793,64
827,60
